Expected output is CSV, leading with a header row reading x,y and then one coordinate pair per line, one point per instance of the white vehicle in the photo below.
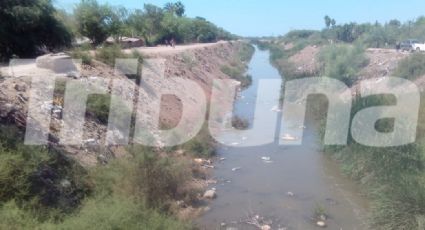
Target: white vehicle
x,y
418,46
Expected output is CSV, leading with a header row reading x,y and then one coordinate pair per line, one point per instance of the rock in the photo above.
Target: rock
x,y
210,194
321,224
65,183
6,109
231,228
73,75
90,141
265,227
198,160
20,88
57,113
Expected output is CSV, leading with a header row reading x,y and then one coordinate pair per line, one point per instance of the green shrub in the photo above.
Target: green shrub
x,y
412,67
237,73
109,53
85,56
342,62
39,179
98,106
202,145
245,52
119,212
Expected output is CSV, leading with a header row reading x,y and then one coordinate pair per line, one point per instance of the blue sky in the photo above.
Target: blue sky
x,y
276,17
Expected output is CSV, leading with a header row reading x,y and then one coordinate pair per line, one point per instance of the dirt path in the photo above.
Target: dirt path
x,y
167,50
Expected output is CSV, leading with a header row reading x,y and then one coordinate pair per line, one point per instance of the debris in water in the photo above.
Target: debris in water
x,y
276,109
290,194
265,158
236,169
222,159
288,137
234,143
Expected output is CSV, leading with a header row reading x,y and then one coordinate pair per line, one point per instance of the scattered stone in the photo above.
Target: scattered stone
x,y
210,194
20,88
65,183
57,113
73,75
265,227
231,228
90,142
321,224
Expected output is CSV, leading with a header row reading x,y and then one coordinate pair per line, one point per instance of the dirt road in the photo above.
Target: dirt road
x,y
167,50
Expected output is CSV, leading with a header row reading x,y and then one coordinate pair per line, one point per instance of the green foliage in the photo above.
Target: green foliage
x,y
342,62
175,8
129,193
39,179
118,212
108,54
98,107
202,145
394,175
93,20
412,67
27,27
85,56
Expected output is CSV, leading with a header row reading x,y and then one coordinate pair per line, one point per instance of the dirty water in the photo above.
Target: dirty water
x,y
279,186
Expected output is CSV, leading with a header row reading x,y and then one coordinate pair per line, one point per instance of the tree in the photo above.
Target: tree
x,y
176,8
152,16
327,21
118,23
94,20
333,22
29,26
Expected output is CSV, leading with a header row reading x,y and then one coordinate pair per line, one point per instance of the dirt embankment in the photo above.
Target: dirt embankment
x,y
199,63
382,62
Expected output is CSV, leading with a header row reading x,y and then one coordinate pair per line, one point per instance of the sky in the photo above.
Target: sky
x,y
277,17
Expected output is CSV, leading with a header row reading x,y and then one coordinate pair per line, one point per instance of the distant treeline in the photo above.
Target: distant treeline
x,y
373,35
28,27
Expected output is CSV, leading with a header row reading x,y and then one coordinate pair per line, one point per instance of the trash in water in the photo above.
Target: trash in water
x,y
234,143
288,137
276,109
222,159
265,158
236,169
291,194
244,138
